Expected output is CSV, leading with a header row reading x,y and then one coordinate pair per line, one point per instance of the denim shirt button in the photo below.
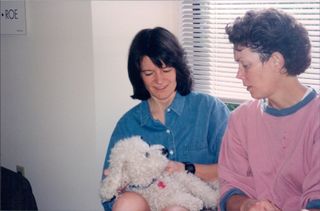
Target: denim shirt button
x,y
171,152
167,131
168,110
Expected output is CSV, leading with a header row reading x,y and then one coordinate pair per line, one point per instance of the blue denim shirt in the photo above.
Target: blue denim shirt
x,y
193,129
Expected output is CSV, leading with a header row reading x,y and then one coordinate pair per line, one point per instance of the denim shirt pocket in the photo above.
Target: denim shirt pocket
x,y
197,152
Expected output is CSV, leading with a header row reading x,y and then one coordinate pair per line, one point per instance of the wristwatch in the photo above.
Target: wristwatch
x,y
189,167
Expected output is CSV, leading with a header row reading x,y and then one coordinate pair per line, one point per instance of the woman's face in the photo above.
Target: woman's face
x,y
261,79
160,82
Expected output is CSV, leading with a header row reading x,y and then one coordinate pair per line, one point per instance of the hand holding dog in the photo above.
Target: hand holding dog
x,y
174,166
258,205
106,172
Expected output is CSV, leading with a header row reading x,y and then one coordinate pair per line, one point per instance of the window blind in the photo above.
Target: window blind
x,y
210,54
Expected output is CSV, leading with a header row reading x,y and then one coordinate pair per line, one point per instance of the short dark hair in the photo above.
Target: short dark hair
x,y
162,47
269,30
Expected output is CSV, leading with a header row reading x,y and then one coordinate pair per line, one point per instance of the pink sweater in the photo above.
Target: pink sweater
x,y
274,157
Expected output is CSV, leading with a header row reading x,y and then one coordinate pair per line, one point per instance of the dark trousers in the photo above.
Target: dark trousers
x,y
16,192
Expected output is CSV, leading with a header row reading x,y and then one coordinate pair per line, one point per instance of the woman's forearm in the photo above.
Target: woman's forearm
x,y
207,172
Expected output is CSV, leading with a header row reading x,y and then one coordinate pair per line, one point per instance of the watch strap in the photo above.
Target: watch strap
x,y
189,167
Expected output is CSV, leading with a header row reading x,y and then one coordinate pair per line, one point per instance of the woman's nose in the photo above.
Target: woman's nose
x,y
158,77
240,74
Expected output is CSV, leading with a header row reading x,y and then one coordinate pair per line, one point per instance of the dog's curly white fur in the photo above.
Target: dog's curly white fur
x,y
141,168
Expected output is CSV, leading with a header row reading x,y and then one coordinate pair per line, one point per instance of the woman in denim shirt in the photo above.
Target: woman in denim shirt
x,y
190,125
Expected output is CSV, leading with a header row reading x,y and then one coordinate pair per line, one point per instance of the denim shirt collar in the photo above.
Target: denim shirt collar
x,y
177,106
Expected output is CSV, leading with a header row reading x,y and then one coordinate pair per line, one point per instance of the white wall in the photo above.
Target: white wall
x,y
47,104
63,87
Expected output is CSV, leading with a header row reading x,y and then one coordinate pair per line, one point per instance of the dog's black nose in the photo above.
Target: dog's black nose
x,y
165,151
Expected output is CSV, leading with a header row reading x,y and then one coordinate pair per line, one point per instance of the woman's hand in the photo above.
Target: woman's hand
x,y
106,172
258,205
174,166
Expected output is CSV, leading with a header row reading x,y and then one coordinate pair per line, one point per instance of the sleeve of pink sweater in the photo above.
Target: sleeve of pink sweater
x,y
233,162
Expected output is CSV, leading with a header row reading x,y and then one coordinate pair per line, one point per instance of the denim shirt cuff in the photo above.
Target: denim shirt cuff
x,y
107,205
227,196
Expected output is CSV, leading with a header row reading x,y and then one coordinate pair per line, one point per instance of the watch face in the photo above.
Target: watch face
x,y
190,168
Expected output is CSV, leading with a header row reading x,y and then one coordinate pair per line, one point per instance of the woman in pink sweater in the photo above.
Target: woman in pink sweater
x,y
270,153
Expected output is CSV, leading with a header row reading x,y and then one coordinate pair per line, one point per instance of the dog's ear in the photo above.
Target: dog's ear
x,y
112,183
117,178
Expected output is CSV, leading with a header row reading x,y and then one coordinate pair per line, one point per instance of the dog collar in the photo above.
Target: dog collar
x,y
139,187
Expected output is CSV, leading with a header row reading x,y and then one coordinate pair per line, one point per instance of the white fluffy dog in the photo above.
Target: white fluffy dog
x,y
138,167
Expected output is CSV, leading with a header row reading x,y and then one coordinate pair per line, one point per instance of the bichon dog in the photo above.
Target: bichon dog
x,y
136,166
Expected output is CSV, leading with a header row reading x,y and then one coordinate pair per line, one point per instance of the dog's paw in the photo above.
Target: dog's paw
x,y
195,205
105,194
210,199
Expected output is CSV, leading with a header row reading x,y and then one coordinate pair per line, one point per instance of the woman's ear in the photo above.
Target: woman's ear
x,y
277,60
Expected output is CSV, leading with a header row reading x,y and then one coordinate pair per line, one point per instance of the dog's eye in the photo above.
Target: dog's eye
x,y
147,154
